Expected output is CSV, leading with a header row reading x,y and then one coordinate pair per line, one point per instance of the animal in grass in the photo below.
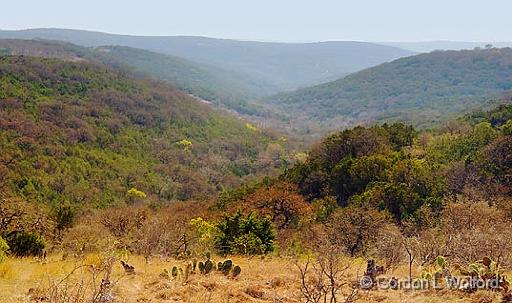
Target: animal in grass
x,y
128,268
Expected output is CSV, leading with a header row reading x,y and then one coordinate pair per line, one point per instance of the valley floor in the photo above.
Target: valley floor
x,y
269,279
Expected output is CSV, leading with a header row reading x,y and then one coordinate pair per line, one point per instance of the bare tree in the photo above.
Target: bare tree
x,y
84,284
323,279
410,245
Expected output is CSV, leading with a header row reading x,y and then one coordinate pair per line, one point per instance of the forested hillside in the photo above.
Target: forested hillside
x,y
75,132
423,90
103,153
369,190
286,65
223,88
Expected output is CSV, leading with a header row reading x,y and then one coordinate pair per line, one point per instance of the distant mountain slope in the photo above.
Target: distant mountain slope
x,y
224,88
422,90
428,46
81,133
227,88
287,65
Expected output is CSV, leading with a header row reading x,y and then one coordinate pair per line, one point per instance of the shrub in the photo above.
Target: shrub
x,y
507,128
86,238
470,230
244,234
122,221
64,217
24,244
354,229
282,203
205,233
185,144
135,195
3,249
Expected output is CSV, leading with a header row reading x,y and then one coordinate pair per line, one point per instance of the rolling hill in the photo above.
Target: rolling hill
x,y
79,132
227,89
422,90
429,46
223,88
286,65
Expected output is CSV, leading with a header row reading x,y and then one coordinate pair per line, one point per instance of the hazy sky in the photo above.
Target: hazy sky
x,y
273,20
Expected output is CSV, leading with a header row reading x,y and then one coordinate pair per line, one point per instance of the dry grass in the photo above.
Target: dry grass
x,y
270,279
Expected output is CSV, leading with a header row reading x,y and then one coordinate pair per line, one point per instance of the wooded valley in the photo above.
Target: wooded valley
x,y
131,172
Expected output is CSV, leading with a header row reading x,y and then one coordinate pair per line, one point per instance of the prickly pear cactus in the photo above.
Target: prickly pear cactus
x,y
174,272
236,271
208,266
164,274
226,267
441,262
473,269
201,267
426,275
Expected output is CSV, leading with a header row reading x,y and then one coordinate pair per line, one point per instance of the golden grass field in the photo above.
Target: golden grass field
x,y
269,279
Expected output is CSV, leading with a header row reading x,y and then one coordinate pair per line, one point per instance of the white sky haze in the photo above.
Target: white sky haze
x,y
273,20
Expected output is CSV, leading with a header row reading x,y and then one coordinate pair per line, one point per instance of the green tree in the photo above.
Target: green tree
x,y
351,176
239,234
135,195
400,135
507,128
64,217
